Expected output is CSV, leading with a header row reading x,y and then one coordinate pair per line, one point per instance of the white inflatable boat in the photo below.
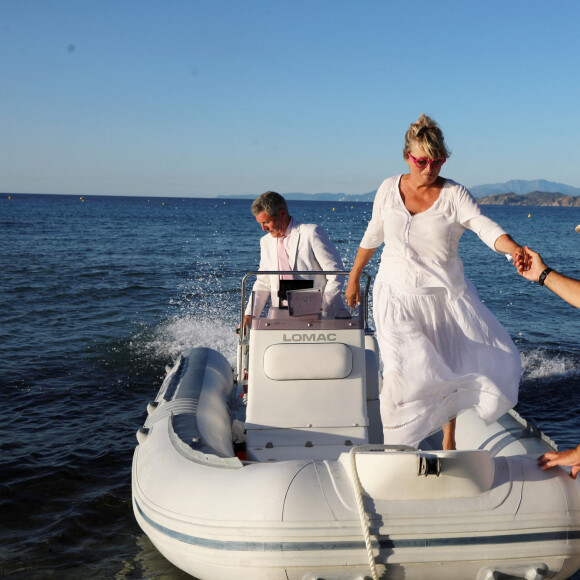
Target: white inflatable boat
x,y
278,472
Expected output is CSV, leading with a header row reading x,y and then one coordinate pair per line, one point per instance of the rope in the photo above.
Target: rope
x,y
364,519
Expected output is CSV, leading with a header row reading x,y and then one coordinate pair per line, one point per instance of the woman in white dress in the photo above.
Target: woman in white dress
x,y
442,350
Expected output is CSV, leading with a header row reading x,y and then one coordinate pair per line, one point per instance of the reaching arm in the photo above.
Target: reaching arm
x,y
566,288
506,245
352,292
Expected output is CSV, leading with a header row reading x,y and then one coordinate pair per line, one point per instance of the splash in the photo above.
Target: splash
x,y
181,333
547,365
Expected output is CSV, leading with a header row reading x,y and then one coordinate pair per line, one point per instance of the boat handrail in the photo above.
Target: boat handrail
x,y
301,273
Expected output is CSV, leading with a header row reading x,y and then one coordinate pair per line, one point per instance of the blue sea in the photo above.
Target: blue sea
x,y
99,294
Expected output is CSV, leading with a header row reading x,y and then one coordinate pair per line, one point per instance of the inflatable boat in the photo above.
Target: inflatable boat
x,y
277,470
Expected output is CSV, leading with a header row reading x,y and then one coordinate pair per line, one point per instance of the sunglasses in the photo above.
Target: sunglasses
x,y
422,162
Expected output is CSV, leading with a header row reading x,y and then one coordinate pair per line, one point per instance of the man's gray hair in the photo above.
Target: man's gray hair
x,y
270,202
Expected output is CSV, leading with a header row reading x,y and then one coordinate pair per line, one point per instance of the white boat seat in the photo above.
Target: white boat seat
x,y
320,361
395,475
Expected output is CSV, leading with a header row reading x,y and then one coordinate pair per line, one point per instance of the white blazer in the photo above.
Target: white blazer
x,y
309,248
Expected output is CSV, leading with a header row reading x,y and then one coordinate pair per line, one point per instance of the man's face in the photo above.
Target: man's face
x,y
275,225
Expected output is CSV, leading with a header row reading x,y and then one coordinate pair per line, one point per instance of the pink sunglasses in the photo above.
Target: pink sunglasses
x,y
422,162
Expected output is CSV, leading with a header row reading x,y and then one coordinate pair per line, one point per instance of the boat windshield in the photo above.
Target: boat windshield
x,y
296,307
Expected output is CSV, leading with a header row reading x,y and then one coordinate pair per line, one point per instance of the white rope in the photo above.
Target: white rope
x,y
364,519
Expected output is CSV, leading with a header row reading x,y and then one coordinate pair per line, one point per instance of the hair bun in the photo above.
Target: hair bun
x,y
426,133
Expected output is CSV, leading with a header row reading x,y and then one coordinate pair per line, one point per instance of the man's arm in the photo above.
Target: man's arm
x,y
566,288
326,254
261,285
325,251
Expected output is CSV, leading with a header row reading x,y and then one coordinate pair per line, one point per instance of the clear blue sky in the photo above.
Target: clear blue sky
x,y
202,98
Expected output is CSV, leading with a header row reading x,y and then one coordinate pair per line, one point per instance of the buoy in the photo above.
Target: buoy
x,y
577,228
529,215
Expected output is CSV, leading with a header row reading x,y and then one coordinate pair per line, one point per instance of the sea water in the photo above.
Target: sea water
x,y
98,294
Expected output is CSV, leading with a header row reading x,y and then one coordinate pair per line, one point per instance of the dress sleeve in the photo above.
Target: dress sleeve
x,y
470,217
374,235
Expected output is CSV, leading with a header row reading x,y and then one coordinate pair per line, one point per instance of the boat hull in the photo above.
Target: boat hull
x,y
471,514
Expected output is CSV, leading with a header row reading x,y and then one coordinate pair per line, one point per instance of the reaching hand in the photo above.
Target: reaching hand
x,y
520,258
532,266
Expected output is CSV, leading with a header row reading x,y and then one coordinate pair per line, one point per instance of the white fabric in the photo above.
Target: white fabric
x,y
309,248
421,250
442,350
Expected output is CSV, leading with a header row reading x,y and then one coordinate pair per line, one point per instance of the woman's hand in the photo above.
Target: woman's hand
x,y
506,245
535,265
521,259
352,292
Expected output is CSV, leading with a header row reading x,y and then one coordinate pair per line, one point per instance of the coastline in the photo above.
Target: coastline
x,y
535,198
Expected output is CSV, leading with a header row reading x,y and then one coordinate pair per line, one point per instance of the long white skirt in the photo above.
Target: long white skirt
x,y
440,357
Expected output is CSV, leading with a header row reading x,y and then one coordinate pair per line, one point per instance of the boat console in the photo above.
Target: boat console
x,y
312,377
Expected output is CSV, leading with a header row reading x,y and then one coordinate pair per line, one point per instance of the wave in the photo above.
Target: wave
x,y
549,365
184,331
181,333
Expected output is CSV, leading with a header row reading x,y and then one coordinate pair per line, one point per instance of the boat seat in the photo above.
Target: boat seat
x,y
396,475
324,361
306,387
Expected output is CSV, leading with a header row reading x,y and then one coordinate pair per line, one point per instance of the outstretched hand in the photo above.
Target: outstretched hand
x,y
530,265
521,259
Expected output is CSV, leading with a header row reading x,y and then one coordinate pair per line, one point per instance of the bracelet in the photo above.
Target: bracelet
x,y
543,276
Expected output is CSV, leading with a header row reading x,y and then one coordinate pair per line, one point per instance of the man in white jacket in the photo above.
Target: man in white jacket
x,y
290,245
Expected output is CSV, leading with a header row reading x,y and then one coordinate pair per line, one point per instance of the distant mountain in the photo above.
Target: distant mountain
x,y
522,187
516,187
370,196
546,198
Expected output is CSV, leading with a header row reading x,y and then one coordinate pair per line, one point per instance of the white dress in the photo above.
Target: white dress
x,y
442,350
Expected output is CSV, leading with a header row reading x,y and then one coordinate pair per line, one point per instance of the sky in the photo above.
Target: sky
x,y
201,98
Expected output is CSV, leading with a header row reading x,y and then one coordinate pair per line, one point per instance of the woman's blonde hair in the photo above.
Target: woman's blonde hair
x,y
426,134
